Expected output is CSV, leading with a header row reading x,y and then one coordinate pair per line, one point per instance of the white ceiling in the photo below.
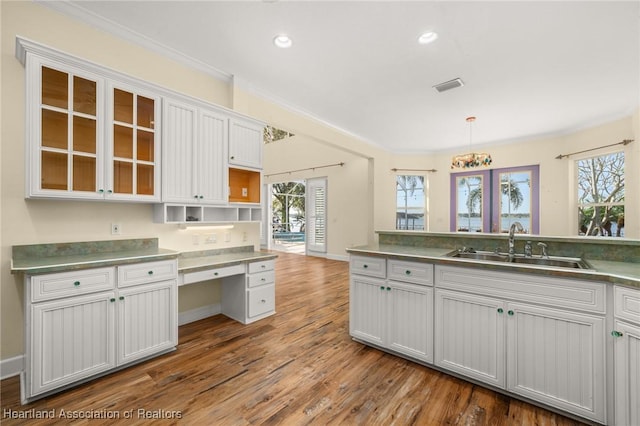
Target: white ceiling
x,y
530,69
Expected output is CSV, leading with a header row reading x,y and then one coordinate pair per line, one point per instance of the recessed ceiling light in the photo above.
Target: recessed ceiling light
x,y
282,41
427,38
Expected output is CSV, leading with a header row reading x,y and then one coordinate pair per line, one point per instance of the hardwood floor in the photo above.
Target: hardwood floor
x,y
297,367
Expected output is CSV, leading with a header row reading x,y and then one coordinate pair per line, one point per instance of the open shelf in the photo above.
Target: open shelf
x,y
180,213
244,186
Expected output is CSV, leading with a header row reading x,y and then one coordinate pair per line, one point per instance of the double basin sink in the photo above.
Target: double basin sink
x,y
550,261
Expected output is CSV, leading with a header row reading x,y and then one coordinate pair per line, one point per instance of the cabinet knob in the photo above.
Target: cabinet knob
x,y
215,274
150,272
615,333
109,192
101,191
500,310
263,301
408,272
365,266
233,157
121,297
113,299
510,312
195,196
388,288
77,283
263,279
381,287
201,197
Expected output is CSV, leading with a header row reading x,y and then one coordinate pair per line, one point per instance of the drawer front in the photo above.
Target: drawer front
x,y
147,272
550,291
368,265
212,274
627,304
265,265
261,300
65,284
413,272
262,278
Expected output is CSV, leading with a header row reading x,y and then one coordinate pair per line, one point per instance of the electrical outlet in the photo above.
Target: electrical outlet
x,y
227,237
211,239
116,229
245,192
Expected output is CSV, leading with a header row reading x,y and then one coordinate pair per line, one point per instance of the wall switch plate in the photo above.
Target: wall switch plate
x,y
195,239
245,192
116,229
211,239
227,237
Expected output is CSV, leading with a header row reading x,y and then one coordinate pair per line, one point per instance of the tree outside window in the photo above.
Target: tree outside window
x,y
601,195
410,204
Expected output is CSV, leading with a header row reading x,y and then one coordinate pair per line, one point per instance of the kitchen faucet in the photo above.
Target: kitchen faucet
x,y
512,238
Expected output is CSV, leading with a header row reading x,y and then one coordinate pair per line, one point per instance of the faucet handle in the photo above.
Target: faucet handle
x,y
544,254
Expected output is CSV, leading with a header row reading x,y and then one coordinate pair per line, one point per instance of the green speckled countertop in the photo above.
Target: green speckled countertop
x,y
60,257
626,273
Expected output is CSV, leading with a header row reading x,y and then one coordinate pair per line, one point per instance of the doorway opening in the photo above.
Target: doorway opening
x,y
288,227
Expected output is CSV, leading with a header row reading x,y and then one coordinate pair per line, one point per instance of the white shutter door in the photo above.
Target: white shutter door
x,y
316,214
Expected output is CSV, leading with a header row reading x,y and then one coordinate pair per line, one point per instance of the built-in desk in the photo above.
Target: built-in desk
x,y
247,277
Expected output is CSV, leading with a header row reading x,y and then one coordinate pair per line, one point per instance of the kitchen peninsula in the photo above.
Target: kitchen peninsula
x,y
560,337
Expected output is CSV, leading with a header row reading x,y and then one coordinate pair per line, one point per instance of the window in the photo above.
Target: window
x,y
600,185
491,200
410,205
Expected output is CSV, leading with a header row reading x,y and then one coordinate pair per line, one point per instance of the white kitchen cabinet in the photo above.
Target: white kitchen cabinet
x,y
252,296
245,143
554,355
469,336
194,147
89,136
393,314
84,323
626,335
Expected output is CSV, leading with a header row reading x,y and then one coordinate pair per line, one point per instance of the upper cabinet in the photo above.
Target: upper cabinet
x,y
89,136
195,145
245,143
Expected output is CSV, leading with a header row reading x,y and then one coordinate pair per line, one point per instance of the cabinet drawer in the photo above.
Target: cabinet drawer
x,y
263,278
261,300
266,265
550,291
368,265
627,304
147,272
212,274
64,284
414,272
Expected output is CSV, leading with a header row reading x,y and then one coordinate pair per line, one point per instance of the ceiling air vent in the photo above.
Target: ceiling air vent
x,y
448,85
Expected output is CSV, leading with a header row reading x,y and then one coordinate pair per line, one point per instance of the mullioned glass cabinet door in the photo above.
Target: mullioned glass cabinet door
x,y
65,131
133,170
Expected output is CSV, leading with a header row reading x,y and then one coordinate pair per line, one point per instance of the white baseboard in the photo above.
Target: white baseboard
x,y
199,313
11,367
344,258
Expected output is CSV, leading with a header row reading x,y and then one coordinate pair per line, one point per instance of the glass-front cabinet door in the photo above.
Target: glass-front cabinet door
x,y
133,170
65,132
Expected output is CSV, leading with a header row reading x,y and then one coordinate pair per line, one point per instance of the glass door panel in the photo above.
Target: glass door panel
x,y
54,129
122,141
55,88
84,96
122,106
54,170
145,179
84,135
469,214
122,177
145,145
145,112
84,173
515,200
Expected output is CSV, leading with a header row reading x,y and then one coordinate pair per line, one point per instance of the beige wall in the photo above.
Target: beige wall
x,y
361,194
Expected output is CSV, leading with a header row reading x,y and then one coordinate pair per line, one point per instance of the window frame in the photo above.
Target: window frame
x,y
424,202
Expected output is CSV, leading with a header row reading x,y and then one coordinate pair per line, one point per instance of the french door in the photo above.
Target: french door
x,y
316,216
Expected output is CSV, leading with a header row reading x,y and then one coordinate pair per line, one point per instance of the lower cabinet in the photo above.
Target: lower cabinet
x,y
626,347
545,353
251,297
393,314
76,329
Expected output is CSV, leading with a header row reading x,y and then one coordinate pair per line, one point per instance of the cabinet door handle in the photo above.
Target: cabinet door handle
x,y
77,283
616,333
510,312
500,310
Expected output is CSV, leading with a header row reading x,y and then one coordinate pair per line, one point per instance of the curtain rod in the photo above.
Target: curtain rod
x,y
308,168
624,142
414,170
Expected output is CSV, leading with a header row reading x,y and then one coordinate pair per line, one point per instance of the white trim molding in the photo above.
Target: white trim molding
x,y
11,367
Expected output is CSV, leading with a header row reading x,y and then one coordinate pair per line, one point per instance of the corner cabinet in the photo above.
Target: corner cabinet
x,y
391,305
89,136
85,323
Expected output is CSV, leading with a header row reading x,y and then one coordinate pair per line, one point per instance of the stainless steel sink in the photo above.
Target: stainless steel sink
x,y
554,262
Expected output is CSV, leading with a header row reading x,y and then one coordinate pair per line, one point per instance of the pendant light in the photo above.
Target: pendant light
x,y
472,159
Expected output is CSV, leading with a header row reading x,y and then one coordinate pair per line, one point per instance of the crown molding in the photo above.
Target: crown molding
x,y
75,11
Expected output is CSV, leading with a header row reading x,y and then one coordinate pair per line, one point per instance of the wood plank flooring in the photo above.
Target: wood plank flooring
x,y
298,367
